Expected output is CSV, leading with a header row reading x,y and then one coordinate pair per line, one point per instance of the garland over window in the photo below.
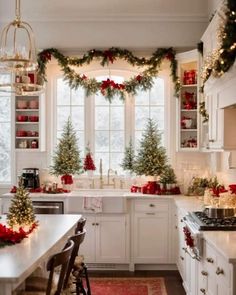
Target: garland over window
x,y
109,88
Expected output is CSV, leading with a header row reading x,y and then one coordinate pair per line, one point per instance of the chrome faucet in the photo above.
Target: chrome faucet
x,y
100,174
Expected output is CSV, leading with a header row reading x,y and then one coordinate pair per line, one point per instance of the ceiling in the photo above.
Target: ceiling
x,y
138,24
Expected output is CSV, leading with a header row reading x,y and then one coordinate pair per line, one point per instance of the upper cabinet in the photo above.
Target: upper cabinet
x,y
188,114
219,94
30,123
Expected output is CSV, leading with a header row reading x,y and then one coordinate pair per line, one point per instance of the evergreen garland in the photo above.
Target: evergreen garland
x,y
151,158
128,161
109,88
21,210
66,160
222,60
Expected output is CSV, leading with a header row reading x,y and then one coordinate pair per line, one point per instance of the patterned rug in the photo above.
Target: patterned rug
x,y
128,286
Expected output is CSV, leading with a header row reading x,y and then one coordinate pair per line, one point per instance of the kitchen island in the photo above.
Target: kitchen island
x,y
18,261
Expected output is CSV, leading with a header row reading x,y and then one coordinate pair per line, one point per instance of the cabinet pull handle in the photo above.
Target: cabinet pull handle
x,y
210,260
176,226
219,271
181,257
93,223
96,223
204,273
211,140
150,213
151,205
203,291
184,249
181,220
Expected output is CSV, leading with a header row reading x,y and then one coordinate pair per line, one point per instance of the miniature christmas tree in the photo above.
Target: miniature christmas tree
x,y
66,160
88,161
21,212
151,158
128,161
168,175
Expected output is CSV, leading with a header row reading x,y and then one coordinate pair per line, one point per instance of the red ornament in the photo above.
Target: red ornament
x,y
170,56
88,162
45,56
109,55
139,78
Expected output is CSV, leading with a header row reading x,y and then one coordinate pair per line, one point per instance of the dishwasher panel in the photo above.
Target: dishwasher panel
x,y
48,207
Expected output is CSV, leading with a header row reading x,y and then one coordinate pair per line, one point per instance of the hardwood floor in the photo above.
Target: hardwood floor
x,y
173,280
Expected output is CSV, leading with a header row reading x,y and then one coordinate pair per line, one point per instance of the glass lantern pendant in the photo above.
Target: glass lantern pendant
x,y
17,45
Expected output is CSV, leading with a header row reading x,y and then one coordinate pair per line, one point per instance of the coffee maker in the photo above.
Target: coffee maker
x,y
30,178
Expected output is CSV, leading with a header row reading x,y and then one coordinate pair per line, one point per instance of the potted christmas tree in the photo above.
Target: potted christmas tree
x,y
168,178
21,211
66,159
151,158
128,161
88,162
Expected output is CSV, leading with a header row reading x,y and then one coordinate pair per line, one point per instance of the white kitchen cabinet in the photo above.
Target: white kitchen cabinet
x,y
215,273
106,239
151,231
188,101
220,131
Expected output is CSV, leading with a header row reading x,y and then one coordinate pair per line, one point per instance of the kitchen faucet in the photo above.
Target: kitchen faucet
x,y
108,177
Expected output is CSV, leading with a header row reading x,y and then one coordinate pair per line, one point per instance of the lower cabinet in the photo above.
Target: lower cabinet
x,y
151,241
106,239
215,273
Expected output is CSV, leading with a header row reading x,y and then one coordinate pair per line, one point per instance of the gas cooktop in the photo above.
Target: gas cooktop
x,y
202,222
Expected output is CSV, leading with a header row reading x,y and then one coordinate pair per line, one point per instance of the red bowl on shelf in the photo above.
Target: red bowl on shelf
x,y
21,118
21,133
33,118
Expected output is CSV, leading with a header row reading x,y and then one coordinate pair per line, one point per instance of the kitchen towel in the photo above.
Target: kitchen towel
x,y
93,203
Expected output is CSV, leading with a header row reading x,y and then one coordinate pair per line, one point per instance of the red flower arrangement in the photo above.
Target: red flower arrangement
x,y
10,237
88,162
188,238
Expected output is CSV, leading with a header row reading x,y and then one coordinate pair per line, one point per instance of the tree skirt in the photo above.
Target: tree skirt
x,y
128,286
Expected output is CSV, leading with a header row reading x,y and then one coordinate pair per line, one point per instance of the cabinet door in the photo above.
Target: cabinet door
x,y
88,246
151,237
216,122
111,239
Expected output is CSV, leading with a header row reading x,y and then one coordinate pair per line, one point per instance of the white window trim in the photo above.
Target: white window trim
x,y
169,108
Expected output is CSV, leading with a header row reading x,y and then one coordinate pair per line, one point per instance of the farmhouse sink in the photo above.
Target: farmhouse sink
x,y
106,192
113,200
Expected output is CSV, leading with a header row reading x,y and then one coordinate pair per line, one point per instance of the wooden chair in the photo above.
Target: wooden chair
x,y
77,268
80,225
42,286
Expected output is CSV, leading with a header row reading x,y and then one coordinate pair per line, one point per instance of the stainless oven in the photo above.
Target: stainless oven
x,y
48,207
193,238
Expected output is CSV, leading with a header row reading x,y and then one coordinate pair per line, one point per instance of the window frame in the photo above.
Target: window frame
x,y
129,109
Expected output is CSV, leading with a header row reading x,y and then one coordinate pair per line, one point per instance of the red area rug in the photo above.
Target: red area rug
x,y
128,286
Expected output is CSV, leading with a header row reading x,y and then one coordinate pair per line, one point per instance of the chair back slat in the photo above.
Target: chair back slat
x,y
78,240
80,225
59,259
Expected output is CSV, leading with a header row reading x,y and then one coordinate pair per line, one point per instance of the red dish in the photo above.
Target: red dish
x,y
33,118
21,118
21,133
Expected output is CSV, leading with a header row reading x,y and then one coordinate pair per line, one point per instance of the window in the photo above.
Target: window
x,y
5,134
109,126
149,104
70,103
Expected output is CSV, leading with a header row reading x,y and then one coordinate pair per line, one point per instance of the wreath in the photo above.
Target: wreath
x,y
109,88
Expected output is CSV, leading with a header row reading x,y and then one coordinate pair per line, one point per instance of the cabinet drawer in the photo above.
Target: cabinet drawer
x,y
151,206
